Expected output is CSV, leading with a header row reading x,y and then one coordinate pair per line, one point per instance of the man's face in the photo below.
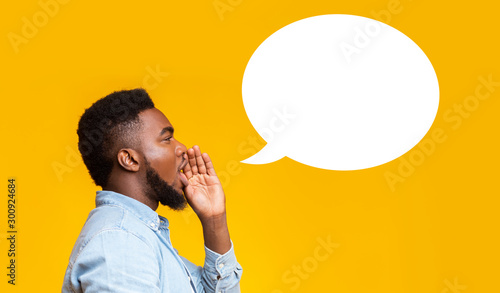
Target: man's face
x,y
164,158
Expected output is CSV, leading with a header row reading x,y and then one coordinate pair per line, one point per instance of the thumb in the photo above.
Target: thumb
x,y
184,179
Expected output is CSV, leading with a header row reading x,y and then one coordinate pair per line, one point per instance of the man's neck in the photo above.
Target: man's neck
x,y
126,187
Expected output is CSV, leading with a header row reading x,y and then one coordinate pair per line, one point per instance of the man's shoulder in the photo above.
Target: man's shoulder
x,y
112,240
113,219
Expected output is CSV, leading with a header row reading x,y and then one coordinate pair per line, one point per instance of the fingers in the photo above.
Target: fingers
x,y
208,164
199,160
198,163
192,162
187,169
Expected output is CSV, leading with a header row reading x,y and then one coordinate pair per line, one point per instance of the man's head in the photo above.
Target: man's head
x,y
127,144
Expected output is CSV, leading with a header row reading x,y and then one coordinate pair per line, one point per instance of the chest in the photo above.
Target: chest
x,y
174,274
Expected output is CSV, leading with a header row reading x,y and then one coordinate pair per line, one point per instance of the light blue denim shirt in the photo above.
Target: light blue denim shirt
x,y
125,246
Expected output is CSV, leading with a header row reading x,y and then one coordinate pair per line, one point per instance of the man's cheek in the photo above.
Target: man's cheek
x,y
169,169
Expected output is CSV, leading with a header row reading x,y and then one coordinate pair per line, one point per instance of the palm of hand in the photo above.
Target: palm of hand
x,y
205,195
204,192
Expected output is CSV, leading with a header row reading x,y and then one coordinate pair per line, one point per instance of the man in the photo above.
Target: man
x,y
130,151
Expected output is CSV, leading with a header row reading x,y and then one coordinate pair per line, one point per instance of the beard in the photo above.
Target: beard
x,y
160,190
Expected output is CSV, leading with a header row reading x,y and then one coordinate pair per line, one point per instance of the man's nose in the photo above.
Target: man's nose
x,y
180,150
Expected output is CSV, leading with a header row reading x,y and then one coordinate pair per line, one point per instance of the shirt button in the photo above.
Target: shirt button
x,y
221,266
152,224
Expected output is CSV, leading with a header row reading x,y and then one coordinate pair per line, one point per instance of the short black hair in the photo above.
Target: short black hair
x,y
108,125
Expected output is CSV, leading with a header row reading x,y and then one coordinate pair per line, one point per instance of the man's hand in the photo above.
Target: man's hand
x,y
205,195
204,192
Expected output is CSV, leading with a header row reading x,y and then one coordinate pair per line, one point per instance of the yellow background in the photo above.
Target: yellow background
x,y
434,230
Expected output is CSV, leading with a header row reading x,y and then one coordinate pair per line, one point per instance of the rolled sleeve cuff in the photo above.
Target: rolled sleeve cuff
x,y
221,265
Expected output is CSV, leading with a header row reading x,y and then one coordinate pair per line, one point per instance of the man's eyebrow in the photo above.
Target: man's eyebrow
x,y
165,129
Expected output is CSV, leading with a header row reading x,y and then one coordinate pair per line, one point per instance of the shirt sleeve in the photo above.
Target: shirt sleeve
x,y
220,273
116,261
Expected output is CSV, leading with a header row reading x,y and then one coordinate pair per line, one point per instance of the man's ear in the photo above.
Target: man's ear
x,y
128,159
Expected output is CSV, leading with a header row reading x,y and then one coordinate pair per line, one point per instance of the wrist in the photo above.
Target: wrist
x,y
216,233
214,221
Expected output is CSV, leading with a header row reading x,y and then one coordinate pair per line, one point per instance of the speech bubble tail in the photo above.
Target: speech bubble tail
x,y
266,155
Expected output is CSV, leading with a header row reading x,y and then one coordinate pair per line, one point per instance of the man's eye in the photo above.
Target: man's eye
x,y
168,138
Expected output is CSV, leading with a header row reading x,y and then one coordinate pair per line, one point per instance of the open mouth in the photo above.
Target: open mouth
x,y
183,164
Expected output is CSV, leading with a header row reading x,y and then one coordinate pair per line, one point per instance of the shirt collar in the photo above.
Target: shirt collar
x,y
137,208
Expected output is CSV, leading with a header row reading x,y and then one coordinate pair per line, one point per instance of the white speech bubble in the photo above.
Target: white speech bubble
x,y
339,92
